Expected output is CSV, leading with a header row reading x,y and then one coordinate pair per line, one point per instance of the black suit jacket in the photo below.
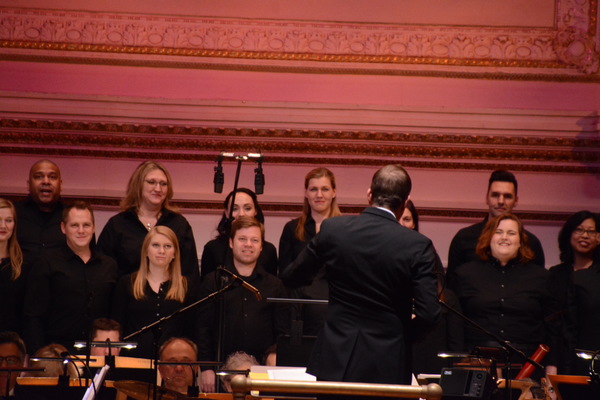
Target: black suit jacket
x,y
379,273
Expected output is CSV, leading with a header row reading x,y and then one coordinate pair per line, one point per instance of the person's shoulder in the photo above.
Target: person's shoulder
x,y
561,268
470,230
532,237
269,246
216,243
106,261
291,224
470,266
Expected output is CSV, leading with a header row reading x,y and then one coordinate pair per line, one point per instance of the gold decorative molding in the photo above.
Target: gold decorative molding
x,y
285,146
569,48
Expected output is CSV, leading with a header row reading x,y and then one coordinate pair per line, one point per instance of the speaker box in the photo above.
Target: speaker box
x,y
460,383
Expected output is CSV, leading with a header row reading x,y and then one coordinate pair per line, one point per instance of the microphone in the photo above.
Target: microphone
x,y
259,178
219,178
245,284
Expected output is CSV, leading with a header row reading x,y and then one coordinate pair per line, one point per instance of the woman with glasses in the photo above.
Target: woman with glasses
x,y
147,204
12,281
578,277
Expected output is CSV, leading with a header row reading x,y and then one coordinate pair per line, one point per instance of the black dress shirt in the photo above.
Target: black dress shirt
x,y
312,315
462,247
289,245
579,296
515,302
12,297
123,235
217,253
64,295
134,314
249,325
38,230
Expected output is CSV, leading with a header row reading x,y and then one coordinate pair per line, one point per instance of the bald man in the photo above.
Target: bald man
x,y
40,214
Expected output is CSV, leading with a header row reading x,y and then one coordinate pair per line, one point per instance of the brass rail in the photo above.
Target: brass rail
x,y
242,385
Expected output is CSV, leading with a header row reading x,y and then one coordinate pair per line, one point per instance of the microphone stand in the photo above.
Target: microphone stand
x,y
164,319
218,180
503,343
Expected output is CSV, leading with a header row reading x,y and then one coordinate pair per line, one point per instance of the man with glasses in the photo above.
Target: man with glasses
x,y
12,355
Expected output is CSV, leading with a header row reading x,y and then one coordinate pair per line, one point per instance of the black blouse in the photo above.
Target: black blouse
x,y
12,297
123,235
135,314
516,302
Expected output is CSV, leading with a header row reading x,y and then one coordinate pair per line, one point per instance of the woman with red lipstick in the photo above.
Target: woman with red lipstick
x,y
146,204
156,290
319,204
12,282
578,280
506,294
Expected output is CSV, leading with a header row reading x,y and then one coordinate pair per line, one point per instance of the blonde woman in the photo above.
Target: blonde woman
x,y
147,204
12,282
156,290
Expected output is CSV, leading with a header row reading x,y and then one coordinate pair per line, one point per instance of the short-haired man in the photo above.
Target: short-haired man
x,y
39,216
104,329
178,377
501,198
70,287
380,274
249,324
12,355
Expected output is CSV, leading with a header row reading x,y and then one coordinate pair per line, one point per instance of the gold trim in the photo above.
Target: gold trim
x,y
373,148
569,46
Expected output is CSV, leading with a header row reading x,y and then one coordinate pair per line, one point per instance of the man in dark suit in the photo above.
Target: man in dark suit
x,y
380,274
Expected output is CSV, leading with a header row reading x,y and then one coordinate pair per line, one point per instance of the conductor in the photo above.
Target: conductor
x,y
379,274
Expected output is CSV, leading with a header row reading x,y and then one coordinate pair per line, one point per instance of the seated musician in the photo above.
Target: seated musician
x,y
178,377
52,368
12,355
238,361
104,329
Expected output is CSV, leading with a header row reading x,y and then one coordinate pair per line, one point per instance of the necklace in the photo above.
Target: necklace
x,y
148,225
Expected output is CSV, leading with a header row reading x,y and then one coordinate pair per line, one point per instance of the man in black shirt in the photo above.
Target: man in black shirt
x,y
40,214
249,324
70,286
501,198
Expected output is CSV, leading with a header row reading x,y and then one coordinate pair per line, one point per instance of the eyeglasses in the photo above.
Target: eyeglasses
x,y
153,183
581,231
10,360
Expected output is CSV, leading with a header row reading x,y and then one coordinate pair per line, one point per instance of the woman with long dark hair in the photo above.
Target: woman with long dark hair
x,y
217,252
578,280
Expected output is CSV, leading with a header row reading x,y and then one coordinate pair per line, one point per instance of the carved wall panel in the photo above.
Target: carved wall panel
x,y
570,48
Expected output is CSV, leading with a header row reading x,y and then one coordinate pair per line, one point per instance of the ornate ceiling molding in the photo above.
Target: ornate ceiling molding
x,y
289,146
569,48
